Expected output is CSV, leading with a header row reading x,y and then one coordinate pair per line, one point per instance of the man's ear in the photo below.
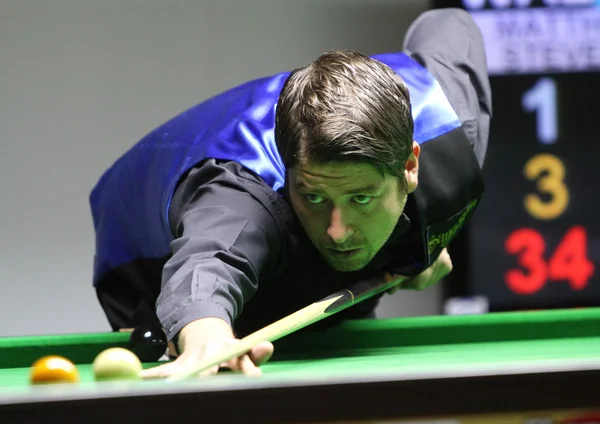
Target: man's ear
x,y
412,167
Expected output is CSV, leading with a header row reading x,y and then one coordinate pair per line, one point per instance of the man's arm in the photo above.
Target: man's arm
x,y
228,232
450,45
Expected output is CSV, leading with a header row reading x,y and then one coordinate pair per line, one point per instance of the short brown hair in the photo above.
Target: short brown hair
x,y
345,106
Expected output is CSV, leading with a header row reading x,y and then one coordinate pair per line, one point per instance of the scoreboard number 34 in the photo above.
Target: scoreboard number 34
x,y
569,261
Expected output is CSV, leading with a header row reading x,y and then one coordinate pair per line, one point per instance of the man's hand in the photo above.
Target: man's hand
x,y
206,337
432,275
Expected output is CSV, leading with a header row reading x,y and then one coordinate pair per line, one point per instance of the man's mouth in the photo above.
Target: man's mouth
x,y
344,253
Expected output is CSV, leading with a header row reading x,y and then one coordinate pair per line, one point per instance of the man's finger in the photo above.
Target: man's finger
x,y
247,367
441,268
210,371
399,279
161,371
387,277
415,284
261,353
394,289
169,369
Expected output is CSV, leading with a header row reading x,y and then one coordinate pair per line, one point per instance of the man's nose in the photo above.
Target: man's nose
x,y
338,230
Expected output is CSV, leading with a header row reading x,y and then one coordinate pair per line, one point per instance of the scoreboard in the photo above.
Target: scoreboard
x,y
534,242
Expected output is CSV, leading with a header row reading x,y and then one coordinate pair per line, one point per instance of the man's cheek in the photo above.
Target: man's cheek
x,y
311,226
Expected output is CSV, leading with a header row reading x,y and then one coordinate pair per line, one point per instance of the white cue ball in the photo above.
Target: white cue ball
x,y
117,364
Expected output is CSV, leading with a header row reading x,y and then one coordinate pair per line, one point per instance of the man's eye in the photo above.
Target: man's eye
x,y
314,198
363,200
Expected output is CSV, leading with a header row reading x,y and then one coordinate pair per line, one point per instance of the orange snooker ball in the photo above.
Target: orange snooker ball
x,y
53,369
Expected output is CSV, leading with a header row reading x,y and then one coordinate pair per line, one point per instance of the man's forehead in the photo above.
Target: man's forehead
x,y
337,173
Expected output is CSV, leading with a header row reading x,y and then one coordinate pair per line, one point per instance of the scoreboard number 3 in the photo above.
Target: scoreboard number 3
x,y
549,171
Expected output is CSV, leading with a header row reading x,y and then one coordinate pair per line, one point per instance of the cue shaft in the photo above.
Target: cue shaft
x,y
310,314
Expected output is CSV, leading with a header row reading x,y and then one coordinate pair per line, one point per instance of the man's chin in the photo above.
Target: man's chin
x,y
350,265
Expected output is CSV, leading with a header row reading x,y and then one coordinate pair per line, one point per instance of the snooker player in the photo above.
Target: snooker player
x,y
283,190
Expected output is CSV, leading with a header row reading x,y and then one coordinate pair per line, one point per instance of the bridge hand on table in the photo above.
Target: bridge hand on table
x,y
202,339
247,364
432,275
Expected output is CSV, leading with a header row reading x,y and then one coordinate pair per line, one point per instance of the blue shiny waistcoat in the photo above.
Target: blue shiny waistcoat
x,y
131,200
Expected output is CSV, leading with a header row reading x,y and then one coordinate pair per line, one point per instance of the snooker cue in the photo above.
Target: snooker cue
x,y
310,314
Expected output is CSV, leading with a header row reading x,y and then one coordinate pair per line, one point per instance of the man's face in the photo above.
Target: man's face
x,y
348,210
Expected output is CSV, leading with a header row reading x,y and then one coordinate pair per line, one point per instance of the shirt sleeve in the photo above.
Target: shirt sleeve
x,y
450,45
228,226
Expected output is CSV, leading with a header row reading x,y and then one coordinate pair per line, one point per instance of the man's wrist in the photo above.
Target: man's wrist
x,y
198,332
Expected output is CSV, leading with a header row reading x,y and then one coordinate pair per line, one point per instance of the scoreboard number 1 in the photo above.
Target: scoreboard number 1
x,y
542,99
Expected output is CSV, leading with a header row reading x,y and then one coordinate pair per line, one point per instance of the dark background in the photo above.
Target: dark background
x,y
480,257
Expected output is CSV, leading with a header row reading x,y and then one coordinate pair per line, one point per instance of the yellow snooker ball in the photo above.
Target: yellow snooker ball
x,y
53,369
116,364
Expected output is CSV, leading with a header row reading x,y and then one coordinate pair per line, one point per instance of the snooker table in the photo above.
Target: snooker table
x,y
439,368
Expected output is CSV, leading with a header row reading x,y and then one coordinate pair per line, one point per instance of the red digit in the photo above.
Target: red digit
x,y
569,261
530,246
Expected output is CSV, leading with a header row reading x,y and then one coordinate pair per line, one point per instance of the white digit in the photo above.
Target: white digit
x,y
473,4
541,99
589,3
503,4
500,4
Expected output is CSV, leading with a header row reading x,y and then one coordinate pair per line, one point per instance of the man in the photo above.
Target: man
x,y
283,190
